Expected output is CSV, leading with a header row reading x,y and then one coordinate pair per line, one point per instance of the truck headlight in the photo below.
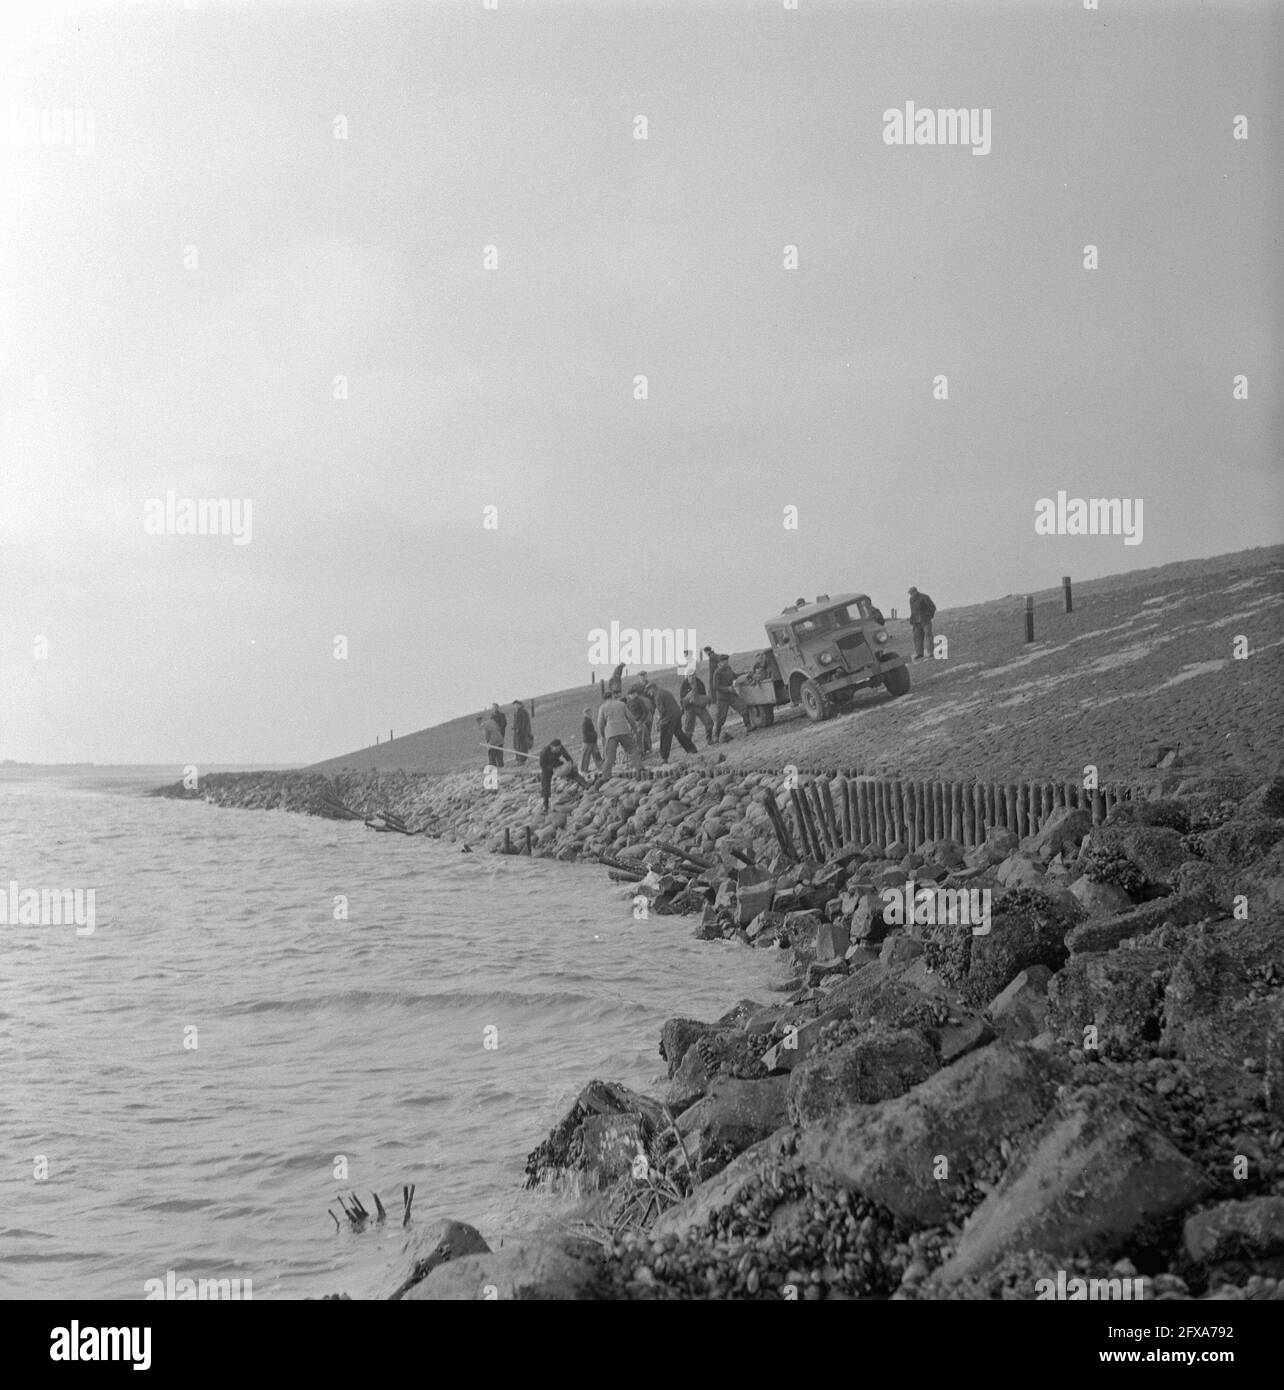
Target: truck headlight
x,y
881,636
826,658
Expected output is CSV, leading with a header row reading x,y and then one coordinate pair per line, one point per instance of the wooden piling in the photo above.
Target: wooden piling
x,y
956,812
831,819
862,812
817,807
969,818
528,841
508,840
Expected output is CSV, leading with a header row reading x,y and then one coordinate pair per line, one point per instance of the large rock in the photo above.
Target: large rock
x,y
1156,850
1020,1013
579,1142
753,895
1061,833
437,1244
1017,871
1096,1175
832,941
1100,897
676,1035
1241,842
1106,935
1119,994
724,1188
1026,928
876,1066
540,1269
1249,1230
892,1152
733,1116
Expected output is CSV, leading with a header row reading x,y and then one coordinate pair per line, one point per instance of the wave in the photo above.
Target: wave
x,y
409,999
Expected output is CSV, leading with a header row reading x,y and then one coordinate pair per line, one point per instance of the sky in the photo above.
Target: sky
x,y
374,268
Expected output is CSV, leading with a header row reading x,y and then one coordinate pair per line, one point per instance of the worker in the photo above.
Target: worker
x,y
492,739
588,733
642,709
522,735
922,611
694,699
501,721
727,698
668,719
552,755
616,729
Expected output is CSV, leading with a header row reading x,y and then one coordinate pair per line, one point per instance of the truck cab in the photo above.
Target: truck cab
x,y
819,655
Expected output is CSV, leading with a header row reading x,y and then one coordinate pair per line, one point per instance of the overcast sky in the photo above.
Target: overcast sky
x,y
133,367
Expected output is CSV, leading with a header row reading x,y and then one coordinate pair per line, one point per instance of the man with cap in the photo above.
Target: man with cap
x,y
668,719
588,735
552,755
922,611
523,737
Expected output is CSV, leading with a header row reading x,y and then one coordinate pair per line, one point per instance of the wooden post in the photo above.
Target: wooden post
x,y
1098,807
862,812
1072,795
980,813
508,840
1065,586
1029,619
831,820
969,818
902,813
528,840
1010,806
956,813
815,804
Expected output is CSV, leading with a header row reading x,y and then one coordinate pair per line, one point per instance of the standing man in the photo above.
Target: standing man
x,y
501,719
492,738
522,735
922,611
616,729
588,733
695,705
553,754
727,697
668,718
641,708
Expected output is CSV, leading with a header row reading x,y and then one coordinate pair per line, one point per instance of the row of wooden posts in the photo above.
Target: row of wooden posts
x,y
881,810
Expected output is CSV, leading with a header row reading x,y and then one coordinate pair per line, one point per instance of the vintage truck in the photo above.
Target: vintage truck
x,y
820,655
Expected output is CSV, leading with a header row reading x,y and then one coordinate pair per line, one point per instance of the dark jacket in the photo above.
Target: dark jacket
x,y
723,679
640,708
588,730
691,685
522,725
922,609
550,757
501,719
666,706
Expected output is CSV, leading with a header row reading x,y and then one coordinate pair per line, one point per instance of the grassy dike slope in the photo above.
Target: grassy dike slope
x,y
1145,657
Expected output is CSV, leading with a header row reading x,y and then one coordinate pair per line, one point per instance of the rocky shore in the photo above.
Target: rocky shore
x,y
1091,1087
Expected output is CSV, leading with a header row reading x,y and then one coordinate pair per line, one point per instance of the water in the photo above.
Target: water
x,y
314,1037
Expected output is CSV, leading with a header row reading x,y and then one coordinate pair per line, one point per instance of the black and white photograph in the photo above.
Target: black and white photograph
x,y
642,659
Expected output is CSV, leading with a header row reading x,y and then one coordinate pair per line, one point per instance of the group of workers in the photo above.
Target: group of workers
x,y
494,728
625,718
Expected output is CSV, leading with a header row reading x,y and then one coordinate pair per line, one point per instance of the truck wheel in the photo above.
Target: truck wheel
x,y
761,716
814,702
897,681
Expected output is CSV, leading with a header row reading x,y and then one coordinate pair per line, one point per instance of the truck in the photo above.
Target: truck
x,y
818,656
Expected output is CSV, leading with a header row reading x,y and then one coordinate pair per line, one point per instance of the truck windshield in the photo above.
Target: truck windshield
x,y
827,621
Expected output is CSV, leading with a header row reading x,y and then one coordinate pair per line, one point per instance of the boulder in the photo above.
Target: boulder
x,y
1096,1175
891,1152
1020,1012
832,941
1156,850
876,1066
1241,843
955,1040
532,1270
676,1035
725,1188
1061,833
900,949
1026,928
570,1148
1250,1230
1100,897
1105,935
611,1142
436,1244
867,923
1118,993
784,1057
753,898
733,1116
1017,871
